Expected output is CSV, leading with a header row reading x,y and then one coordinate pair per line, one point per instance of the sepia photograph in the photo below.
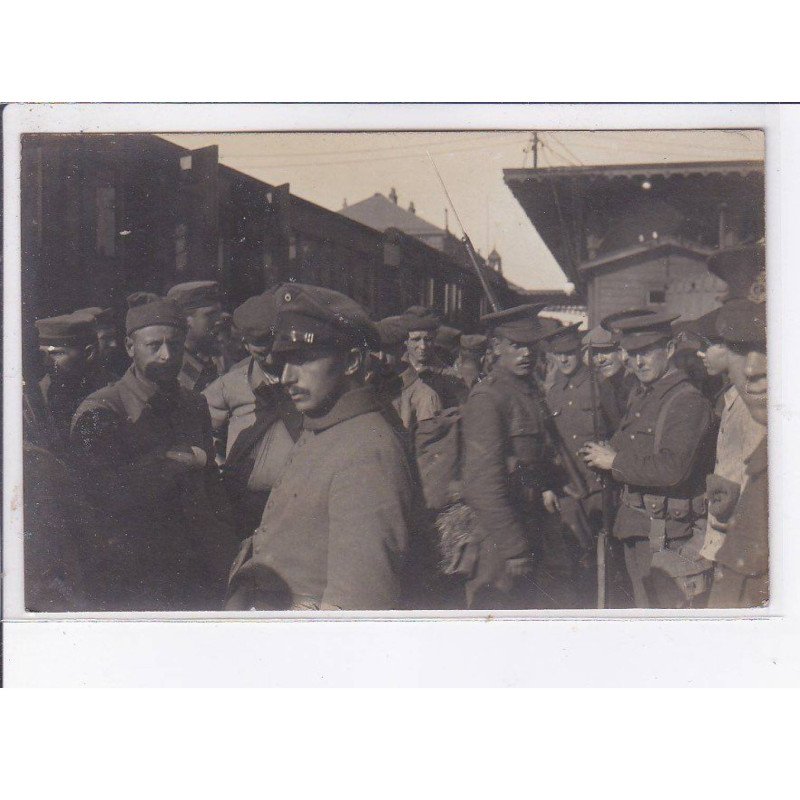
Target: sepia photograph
x,y
394,371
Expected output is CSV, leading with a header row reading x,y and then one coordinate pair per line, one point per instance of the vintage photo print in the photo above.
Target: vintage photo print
x,y
393,370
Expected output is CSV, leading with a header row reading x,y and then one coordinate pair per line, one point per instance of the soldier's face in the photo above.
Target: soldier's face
x,y
202,325
66,361
419,347
650,364
714,358
157,352
107,344
607,362
567,363
516,358
755,387
315,378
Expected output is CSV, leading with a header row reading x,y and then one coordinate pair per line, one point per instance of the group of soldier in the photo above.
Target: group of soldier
x,y
296,455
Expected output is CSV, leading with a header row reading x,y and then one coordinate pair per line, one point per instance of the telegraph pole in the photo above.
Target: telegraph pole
x,y
533,147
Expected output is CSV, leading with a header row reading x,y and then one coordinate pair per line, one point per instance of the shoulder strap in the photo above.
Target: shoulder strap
x,y
661,421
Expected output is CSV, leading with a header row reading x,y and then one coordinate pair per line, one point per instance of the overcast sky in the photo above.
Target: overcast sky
x,y
329,168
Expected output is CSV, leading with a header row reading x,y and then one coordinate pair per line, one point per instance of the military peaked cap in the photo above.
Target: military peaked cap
x,y
257,317
473,343
101,316
519,324
448,338
609,322
392,330
146,309
600,338
742,322
313,315
195,294
636,332
419,318
743,268
564,340
704,327
67,330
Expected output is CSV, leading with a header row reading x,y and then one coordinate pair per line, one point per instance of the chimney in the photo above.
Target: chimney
x,y
412,207
393,195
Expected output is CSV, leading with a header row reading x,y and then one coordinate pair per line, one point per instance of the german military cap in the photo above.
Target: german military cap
x,y
609,322
519,324
743,268
392,330
705,327
564,340
420,318
67,330
257,317
146,310
473,343
742,321
195,294
600,338
643,331
313,315
101,316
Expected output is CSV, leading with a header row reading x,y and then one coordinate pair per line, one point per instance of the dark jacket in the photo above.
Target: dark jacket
x,y
335,531
505,460
197,373
667,482
569,400
746,546
167,537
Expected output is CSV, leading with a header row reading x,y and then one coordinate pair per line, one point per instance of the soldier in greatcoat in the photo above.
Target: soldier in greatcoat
x,y
660,454
335,531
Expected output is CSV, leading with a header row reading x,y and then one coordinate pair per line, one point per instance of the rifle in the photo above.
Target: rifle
x,y
602,535
574,474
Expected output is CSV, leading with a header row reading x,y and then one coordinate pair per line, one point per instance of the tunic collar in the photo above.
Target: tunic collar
x,y
510,379
668,381
137,392
577,379
351,404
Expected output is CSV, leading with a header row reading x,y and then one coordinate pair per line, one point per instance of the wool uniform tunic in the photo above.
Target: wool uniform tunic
x,y
167,537
505,465
335,531
197,373
663,500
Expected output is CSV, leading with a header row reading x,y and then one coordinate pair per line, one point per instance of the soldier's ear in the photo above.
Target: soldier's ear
x,y
90,351
671,347
129,346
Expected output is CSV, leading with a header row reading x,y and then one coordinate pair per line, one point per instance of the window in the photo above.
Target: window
x,y
656,297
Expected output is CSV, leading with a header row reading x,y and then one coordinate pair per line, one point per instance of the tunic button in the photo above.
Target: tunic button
x,y
637,414
569,403
632,436
574,435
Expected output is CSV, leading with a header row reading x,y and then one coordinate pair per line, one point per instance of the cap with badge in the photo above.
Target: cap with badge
x,y
257,317
195,294
519,324
643,330
312,315
742,322
564,340
146,309
67,330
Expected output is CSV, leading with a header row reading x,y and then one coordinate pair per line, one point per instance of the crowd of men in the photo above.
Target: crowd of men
x,y
296,455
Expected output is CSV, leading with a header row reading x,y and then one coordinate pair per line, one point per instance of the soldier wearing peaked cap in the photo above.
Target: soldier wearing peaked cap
x,y
144,444
577,414
201,303
602,347
335,531
743,268
69,346
253,415
659,454
506,462
109,352
741,575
